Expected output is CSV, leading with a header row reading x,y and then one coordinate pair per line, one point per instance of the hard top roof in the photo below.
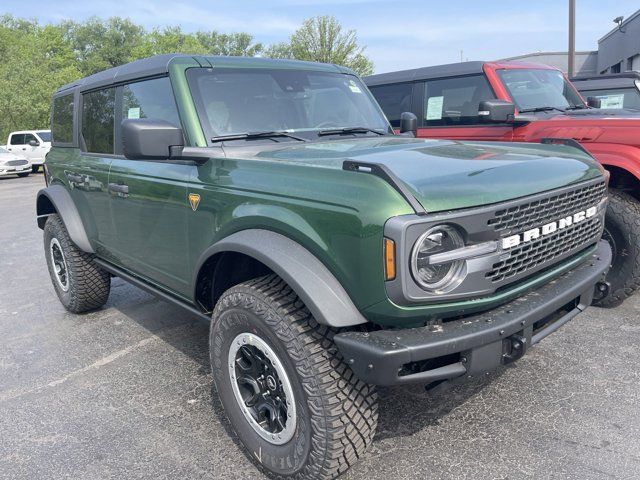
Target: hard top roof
x,y
448,70
159,65
611,80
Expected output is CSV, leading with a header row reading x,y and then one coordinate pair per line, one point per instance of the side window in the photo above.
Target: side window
x,y
17,139
28,137
98,110
455,101
393,99
62,119
618,98
150,99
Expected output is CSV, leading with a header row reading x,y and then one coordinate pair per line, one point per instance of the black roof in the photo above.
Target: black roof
x,y
439,71
611,80
159,65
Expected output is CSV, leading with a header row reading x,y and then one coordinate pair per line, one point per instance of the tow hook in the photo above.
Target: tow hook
x,y
601,290
516,347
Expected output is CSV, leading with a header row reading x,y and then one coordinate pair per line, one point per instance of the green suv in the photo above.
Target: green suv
x,y
330,255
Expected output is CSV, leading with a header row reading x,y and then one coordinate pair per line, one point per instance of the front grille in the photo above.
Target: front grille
x,y
545,249
534,214
549,248
16,163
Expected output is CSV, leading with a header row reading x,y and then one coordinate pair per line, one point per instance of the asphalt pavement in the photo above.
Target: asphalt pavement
x,y
125,392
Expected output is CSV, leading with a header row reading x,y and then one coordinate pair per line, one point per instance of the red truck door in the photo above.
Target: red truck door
x,y
448,108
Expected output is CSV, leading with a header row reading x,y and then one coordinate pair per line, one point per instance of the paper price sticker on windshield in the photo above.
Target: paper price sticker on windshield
x,y
434,108
133,113
353,87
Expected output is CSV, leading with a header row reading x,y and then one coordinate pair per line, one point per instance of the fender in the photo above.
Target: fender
x,y
316,286
63,205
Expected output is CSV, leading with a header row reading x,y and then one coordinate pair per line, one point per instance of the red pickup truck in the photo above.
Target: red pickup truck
x,y
526,102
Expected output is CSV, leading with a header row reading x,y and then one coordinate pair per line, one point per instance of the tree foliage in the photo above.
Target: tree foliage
x,y
37,59
322,39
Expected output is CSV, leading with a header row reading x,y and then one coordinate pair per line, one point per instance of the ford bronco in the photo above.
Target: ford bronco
x,y
272,199
525,102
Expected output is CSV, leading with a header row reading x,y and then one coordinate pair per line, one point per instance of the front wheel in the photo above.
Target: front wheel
x,y
294,403
622,231
23,174
35,168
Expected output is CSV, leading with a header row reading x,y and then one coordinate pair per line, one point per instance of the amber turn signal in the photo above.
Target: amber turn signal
x,y
389,259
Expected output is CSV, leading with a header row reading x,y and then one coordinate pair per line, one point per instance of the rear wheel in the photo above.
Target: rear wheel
x,y
80,284
295,405
622,231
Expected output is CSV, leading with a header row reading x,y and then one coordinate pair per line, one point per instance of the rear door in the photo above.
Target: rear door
x,y
148,198
448,108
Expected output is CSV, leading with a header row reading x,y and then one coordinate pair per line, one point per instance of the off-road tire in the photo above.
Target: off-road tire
x,y
88,285
622,224
336,412
23,174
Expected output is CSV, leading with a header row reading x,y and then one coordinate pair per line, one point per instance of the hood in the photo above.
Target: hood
x,y
6,156
445,175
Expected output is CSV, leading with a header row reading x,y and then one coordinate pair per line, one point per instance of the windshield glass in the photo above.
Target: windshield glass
x,y
45,135
237,101
533,89
2,150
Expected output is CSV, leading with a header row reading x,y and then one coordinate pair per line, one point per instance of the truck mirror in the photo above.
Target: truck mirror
x,y
496,111
34,143
594,102
408,123
145,138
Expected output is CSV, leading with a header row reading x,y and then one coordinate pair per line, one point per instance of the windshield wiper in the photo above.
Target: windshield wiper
x,y
347,130
541,109
252,135
577,107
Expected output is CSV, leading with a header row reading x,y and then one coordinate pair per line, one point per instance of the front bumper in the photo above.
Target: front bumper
x,y
478,343
12,170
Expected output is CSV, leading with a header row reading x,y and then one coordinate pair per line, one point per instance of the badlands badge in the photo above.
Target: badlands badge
x,y
194,201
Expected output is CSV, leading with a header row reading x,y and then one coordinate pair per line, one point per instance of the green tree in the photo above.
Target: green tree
x,y
322,39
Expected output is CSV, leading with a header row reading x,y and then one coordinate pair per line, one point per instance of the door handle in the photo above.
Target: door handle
x,y
121,190
24,148
75,178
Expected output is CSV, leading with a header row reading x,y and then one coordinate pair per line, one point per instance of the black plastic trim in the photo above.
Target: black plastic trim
x,y
312,281
149,288
377,357
385,173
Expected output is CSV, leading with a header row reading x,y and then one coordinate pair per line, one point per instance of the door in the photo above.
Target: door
x,y
25,145
148,198
448,109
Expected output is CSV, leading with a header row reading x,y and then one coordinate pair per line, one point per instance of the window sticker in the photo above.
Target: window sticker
x,y
434,108
611,101
353,87
133,112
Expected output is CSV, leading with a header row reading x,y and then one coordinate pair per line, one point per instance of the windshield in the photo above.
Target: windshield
x,y
538,89
239,101
45,135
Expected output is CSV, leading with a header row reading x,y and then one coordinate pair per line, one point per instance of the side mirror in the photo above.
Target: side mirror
x,y
145,138
594,102
496,111
34,143
408,123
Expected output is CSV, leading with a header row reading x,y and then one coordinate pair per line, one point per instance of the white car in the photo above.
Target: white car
x,y
11,164
30,144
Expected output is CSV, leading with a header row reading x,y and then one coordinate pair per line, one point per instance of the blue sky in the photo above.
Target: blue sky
x,y
398,34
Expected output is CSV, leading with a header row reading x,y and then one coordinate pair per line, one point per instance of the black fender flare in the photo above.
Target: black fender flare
x,y
60,199
307,276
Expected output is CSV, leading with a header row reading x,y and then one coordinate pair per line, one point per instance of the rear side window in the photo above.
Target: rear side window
x,y
150,99
17,139
98,117
394,100
615,98
455,101
62,119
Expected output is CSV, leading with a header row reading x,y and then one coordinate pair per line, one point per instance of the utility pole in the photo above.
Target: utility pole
x,y
572,37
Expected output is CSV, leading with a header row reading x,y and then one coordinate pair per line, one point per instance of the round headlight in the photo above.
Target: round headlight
x,y
437,277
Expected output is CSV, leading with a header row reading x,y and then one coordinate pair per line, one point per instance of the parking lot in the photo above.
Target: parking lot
x,y
125,392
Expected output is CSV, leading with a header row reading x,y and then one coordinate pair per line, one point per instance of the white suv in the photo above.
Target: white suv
x,y
30,144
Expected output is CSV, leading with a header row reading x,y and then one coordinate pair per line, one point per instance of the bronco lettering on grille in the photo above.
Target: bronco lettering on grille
x,y
548,229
